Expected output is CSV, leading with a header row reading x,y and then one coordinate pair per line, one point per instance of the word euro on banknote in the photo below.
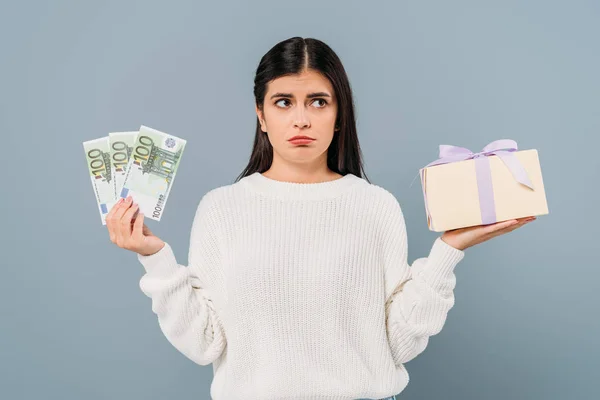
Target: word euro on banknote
x,y
121,147
97,154
151,170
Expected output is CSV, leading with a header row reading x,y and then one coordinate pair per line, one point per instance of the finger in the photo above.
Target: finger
x,y
146,231
116,219
138,227
520,223
109,221
134,216
498,226
123,207
113,208
523,222
126,222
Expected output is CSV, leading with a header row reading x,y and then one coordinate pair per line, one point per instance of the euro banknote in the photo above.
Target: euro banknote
x,y
97,154
121,147
151,170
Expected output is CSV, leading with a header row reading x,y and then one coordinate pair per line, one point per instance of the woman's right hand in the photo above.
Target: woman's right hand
x,y
128,230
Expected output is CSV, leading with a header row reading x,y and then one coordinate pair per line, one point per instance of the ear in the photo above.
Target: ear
x,y
259,114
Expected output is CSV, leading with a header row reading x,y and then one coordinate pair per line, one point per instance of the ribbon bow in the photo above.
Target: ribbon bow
x,y
504,149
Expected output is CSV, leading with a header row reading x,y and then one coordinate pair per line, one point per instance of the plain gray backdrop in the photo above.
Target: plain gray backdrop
x,y
75,324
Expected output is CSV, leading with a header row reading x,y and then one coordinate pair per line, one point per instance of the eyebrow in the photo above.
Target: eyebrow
x,y
310,95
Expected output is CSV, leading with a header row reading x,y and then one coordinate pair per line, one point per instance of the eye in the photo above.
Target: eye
x,y
323,100
280,101
286,100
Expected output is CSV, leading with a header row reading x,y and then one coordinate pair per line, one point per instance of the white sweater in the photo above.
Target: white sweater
x,y
301,291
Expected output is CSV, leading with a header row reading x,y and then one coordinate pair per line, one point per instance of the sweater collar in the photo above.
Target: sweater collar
x,y
300,191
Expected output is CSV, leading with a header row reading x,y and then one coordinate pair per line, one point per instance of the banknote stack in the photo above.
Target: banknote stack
x,y
139,164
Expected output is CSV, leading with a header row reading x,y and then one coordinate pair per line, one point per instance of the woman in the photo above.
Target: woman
x,y
298,285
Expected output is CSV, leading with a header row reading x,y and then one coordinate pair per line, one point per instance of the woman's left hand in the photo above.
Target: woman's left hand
x,y
464,238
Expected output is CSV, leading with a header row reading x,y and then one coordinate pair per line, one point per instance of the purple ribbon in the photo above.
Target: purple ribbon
x,y
502,148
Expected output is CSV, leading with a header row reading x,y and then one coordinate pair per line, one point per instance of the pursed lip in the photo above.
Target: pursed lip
x,y
300,137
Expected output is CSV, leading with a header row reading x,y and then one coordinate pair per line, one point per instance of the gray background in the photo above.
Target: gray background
x,y
75,324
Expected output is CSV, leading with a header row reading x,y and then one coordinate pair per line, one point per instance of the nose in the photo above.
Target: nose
x,y
300,119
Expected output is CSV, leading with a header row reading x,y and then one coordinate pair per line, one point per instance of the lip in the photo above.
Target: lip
x,y
300,137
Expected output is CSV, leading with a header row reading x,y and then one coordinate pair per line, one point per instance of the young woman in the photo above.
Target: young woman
x,y
298,285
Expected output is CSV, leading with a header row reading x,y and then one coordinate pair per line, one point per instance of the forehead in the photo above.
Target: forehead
x,y
299,84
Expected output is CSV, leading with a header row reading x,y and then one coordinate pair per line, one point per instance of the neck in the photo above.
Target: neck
x,y
296,175
302,177
293,190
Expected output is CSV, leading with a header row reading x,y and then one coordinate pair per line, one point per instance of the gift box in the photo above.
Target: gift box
x,y
463,188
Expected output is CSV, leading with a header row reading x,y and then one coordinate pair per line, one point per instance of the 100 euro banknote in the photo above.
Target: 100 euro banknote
x,y
97,154
151,170
121,147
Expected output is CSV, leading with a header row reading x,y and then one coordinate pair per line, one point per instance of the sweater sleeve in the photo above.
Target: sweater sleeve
x,y
182,296
418,297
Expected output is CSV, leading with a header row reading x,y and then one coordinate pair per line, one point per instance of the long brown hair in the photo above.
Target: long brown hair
x,y
290,57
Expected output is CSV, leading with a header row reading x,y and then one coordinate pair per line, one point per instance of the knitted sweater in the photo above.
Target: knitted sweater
x,y
301,291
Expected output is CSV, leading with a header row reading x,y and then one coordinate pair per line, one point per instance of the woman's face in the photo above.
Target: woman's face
x,y
303,104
